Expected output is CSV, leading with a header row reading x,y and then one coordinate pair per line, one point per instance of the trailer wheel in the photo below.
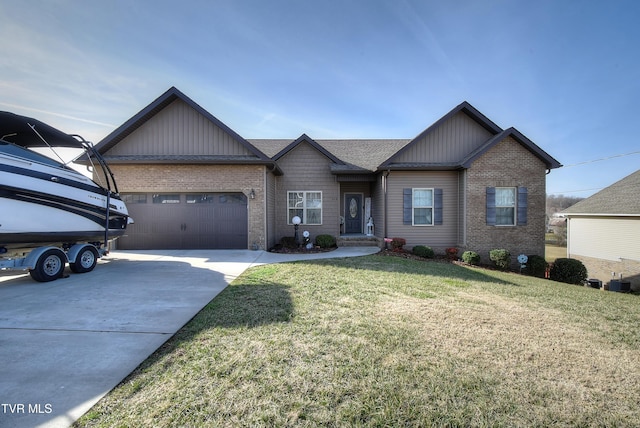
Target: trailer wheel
x,y
85,260
50,266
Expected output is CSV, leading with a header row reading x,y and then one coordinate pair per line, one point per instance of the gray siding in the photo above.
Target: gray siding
x,y
178,129
377,201
438,237
306,169
450,142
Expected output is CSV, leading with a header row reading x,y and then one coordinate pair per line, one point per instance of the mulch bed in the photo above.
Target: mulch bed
x,y
300,250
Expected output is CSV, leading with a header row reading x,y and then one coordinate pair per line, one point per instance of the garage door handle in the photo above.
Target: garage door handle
x,y
183,227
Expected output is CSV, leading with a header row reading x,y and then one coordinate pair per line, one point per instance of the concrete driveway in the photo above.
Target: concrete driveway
x,y
65,344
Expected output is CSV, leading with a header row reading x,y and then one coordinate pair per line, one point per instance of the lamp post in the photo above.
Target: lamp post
x,y
296,223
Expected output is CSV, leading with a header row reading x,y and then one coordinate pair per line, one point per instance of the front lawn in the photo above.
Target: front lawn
x,y
386,341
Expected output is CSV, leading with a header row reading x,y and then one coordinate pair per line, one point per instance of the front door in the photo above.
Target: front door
x,y
352,213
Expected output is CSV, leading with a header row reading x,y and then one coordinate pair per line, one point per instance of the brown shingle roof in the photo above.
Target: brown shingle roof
x,y
621,198
357,154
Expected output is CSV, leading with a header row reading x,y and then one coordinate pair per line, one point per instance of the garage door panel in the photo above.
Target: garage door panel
x,y
186,221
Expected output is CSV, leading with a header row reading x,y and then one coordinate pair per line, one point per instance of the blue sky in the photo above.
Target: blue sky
x,y
565,73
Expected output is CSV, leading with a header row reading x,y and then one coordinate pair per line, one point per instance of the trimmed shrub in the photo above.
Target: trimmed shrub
x,y
288,242
325,241
570,271
423,251
501,258
471,257
536,266
452,253
398,243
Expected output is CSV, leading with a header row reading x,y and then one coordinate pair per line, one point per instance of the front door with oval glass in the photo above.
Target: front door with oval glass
x,y
352,213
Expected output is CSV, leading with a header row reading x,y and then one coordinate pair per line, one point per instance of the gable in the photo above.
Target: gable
x,y
178,129
450,142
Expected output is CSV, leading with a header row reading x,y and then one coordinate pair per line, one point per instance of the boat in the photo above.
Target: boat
x,y
44,201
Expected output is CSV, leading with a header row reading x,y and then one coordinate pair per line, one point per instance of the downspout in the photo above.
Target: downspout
x,y
385,177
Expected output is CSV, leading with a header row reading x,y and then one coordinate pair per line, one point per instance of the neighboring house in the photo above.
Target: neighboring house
x,y
192,182
603,231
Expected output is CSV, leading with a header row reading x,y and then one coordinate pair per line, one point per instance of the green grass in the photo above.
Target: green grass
x,y
385,341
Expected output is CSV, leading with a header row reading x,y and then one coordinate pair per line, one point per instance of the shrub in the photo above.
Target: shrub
x,y
423,251
501,258
570,271
398,243
325,241
288,242
536,266
471,257
452,253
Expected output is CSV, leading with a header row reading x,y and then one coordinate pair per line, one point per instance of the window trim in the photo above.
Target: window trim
x,y
514,189
431,207
304,208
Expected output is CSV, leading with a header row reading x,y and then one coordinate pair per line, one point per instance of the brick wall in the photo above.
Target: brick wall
x,y
506,164
601,269
187,178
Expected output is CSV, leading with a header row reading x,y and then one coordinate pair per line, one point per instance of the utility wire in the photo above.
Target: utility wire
x,y
601,159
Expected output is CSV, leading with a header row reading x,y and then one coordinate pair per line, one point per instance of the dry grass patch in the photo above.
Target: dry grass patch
x,y
381,341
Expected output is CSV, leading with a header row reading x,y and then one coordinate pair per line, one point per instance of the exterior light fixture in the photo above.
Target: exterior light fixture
x,y
252,194
296,223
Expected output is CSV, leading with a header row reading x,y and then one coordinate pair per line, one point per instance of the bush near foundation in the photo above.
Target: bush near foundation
x,y
536,266
325,241
423,251
471,257
570,271
501,258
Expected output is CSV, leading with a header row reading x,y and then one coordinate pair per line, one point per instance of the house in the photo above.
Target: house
x,y
603,231
192,182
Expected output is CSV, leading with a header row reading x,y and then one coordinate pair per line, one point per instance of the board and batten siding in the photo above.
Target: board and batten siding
x,y
178,129
450,142
438,236
607,238
306,169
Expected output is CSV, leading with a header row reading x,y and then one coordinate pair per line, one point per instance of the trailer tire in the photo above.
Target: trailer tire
x,y
85,260
50,266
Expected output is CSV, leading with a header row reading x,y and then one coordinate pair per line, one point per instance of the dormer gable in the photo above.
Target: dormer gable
x,y
445,143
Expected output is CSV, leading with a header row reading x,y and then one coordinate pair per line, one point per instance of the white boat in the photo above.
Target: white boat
x,y
43,201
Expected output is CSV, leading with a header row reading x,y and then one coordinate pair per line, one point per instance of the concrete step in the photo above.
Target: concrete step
x,y
359,241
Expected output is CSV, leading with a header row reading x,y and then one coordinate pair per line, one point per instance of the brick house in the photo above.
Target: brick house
x,y
192,182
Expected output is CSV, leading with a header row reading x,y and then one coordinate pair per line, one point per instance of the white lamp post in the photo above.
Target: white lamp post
x,y
296,223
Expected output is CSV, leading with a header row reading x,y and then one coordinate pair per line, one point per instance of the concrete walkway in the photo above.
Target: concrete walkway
x,y
67,343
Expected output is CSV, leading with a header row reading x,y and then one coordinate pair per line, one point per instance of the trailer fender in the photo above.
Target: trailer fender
x,y
32,258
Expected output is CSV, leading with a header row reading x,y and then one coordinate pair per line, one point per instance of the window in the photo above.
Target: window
x,y
135,198
422,203
166,199
306,205
505,206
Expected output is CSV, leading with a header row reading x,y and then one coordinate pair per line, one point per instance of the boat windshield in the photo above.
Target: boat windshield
x,y
14,150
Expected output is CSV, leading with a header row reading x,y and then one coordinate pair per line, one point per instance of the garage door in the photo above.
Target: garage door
x,y
186,221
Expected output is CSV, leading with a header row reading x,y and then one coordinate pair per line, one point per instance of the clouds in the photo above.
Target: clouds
x,y
565,74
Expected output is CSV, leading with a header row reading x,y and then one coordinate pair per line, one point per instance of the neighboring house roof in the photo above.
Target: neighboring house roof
x,y
622,198
159,104
549,161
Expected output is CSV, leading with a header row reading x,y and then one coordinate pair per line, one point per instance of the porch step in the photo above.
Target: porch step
x,y
358,241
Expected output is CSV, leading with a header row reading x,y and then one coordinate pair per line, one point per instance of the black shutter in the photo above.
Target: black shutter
x,y
407,201
437,206
522,206
491,206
